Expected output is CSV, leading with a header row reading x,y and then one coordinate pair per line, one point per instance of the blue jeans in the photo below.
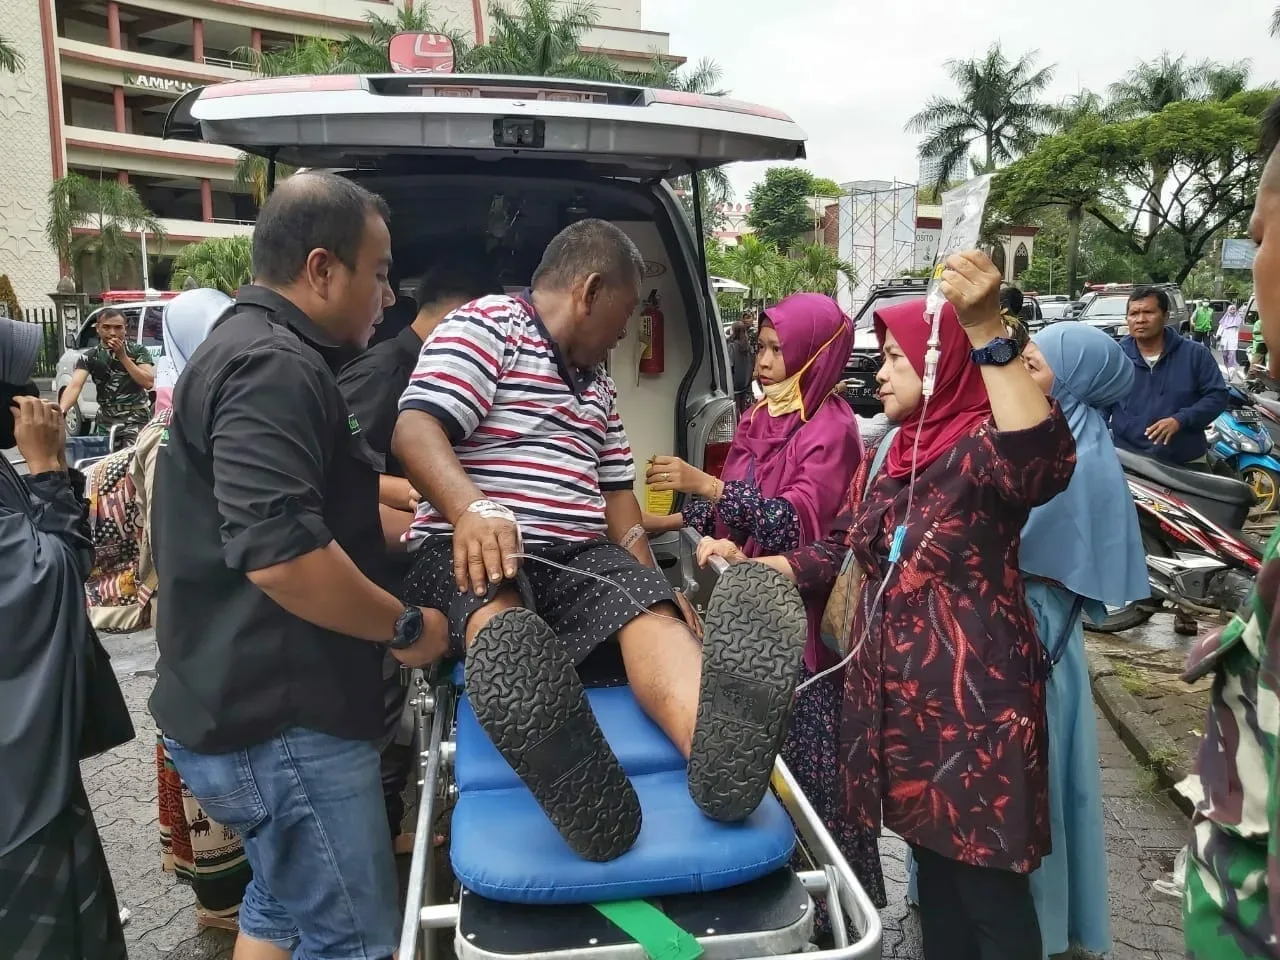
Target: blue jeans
x,y
310,811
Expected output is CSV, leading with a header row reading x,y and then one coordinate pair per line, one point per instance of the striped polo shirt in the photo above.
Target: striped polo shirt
x,y
533,434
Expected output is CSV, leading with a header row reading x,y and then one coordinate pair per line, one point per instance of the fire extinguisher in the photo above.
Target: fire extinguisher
x,y
652,341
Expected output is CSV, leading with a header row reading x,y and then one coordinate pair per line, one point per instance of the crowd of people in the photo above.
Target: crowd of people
x,y
300,517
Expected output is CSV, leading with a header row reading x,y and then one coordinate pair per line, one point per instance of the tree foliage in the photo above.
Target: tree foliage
x,y
772,275
9,298
542,38
112,209
780,209
11,58
998,107
222,263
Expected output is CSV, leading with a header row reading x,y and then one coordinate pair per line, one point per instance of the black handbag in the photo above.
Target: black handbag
x,y
106,722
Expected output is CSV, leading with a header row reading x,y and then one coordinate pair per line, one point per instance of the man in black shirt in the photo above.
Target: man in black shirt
x,y
270,551
372,384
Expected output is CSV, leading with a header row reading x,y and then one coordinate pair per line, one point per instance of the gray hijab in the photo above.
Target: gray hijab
x,y
45,556
19,347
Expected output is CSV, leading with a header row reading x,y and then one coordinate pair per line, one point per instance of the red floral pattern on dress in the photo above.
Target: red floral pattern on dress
x,y
943,736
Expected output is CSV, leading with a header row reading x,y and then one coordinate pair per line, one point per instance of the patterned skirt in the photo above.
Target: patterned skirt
x,y
198,850
810,752
56,897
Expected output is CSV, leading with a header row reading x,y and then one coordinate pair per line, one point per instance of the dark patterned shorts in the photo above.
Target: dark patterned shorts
x,y
584,612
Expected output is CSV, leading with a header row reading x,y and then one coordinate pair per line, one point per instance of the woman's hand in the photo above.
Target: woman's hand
x,y
672,473
726,549
40,434
971,283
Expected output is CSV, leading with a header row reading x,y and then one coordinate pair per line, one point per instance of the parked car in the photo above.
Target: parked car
x,y
860,387
502,164
1054,307
143,324
1112,300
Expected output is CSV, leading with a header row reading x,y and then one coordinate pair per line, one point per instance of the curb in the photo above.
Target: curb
x,y
1148,743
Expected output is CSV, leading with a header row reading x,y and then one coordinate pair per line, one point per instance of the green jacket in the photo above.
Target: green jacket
x,y
1202,319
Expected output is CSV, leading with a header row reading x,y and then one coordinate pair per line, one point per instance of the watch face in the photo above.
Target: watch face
x,y
1002,351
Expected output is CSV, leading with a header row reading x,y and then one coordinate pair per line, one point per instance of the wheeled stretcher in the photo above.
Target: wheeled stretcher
x,y
513,888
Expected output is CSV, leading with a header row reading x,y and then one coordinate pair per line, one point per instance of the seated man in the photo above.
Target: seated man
x,y
122,372
510,415
372,384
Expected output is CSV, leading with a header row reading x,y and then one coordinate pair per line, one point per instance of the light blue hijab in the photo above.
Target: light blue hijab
x,y
1087,537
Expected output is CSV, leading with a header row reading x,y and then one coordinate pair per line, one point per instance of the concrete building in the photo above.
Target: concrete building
x,y
100,76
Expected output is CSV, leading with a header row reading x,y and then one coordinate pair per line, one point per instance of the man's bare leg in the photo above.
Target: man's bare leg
x,y
725,705
663,661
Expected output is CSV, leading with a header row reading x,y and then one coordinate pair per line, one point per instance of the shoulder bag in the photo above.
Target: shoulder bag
x,y
837,616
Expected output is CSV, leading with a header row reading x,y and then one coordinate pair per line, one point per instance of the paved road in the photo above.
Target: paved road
x,y
1144,833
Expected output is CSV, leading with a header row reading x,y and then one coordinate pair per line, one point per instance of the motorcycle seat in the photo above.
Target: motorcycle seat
x,y
1207,485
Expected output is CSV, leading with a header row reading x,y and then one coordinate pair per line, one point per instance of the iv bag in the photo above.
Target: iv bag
x,y
962,210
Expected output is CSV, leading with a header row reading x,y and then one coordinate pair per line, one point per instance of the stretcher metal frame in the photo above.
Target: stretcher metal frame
x,y
428,910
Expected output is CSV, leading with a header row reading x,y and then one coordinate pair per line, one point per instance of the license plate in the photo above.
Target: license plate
x,y
860,391
1246,416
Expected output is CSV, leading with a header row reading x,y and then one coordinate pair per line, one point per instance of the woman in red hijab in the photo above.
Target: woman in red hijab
x,y
782,485
943,736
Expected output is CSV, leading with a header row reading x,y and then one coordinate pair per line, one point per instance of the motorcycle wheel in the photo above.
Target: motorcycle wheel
x,y
1266,488
1121,618
1140,611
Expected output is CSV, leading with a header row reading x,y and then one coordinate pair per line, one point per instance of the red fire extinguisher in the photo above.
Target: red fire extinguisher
x,y
652,341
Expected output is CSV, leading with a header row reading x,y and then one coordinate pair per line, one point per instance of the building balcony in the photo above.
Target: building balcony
x,y
141,72
108,150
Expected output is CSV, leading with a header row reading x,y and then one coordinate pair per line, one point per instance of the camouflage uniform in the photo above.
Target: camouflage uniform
x,y
121,400
1233,863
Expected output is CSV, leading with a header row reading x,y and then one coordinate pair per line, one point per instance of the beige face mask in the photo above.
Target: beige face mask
x,y
786,397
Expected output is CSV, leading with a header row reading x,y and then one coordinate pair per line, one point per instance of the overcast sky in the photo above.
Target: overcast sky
x,y
851,72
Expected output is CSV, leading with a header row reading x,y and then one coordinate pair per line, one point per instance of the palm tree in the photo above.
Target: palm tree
x,y
1275,22
1222,81
542,39
756,264
110,208
820,269
1154,84
11,60
223,263
1082,107
998,107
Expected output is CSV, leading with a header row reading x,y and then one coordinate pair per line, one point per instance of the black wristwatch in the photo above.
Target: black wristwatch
x,y
408,629
998,353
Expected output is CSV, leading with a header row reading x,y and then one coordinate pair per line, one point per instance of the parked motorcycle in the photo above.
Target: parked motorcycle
x,y
1241,446
1197,558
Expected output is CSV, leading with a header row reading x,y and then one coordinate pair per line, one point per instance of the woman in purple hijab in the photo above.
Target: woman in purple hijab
x,y
786,475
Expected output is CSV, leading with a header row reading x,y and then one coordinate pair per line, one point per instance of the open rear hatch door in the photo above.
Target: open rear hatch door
x,y
361,122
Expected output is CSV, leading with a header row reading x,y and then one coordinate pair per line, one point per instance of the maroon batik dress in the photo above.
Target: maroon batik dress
x,y
943,729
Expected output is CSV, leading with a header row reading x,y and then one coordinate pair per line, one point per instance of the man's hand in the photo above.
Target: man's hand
x,y
40,433
672,473
726,549
427,649
482,551
971,283
1162,431
116,346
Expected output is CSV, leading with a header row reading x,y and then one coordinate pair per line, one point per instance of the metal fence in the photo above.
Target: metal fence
x,y
51,344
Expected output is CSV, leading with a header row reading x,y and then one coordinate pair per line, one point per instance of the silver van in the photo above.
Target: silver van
x,y
501,164
142,323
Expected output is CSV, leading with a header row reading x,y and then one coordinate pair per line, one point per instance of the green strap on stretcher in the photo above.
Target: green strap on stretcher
x,y
648,926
